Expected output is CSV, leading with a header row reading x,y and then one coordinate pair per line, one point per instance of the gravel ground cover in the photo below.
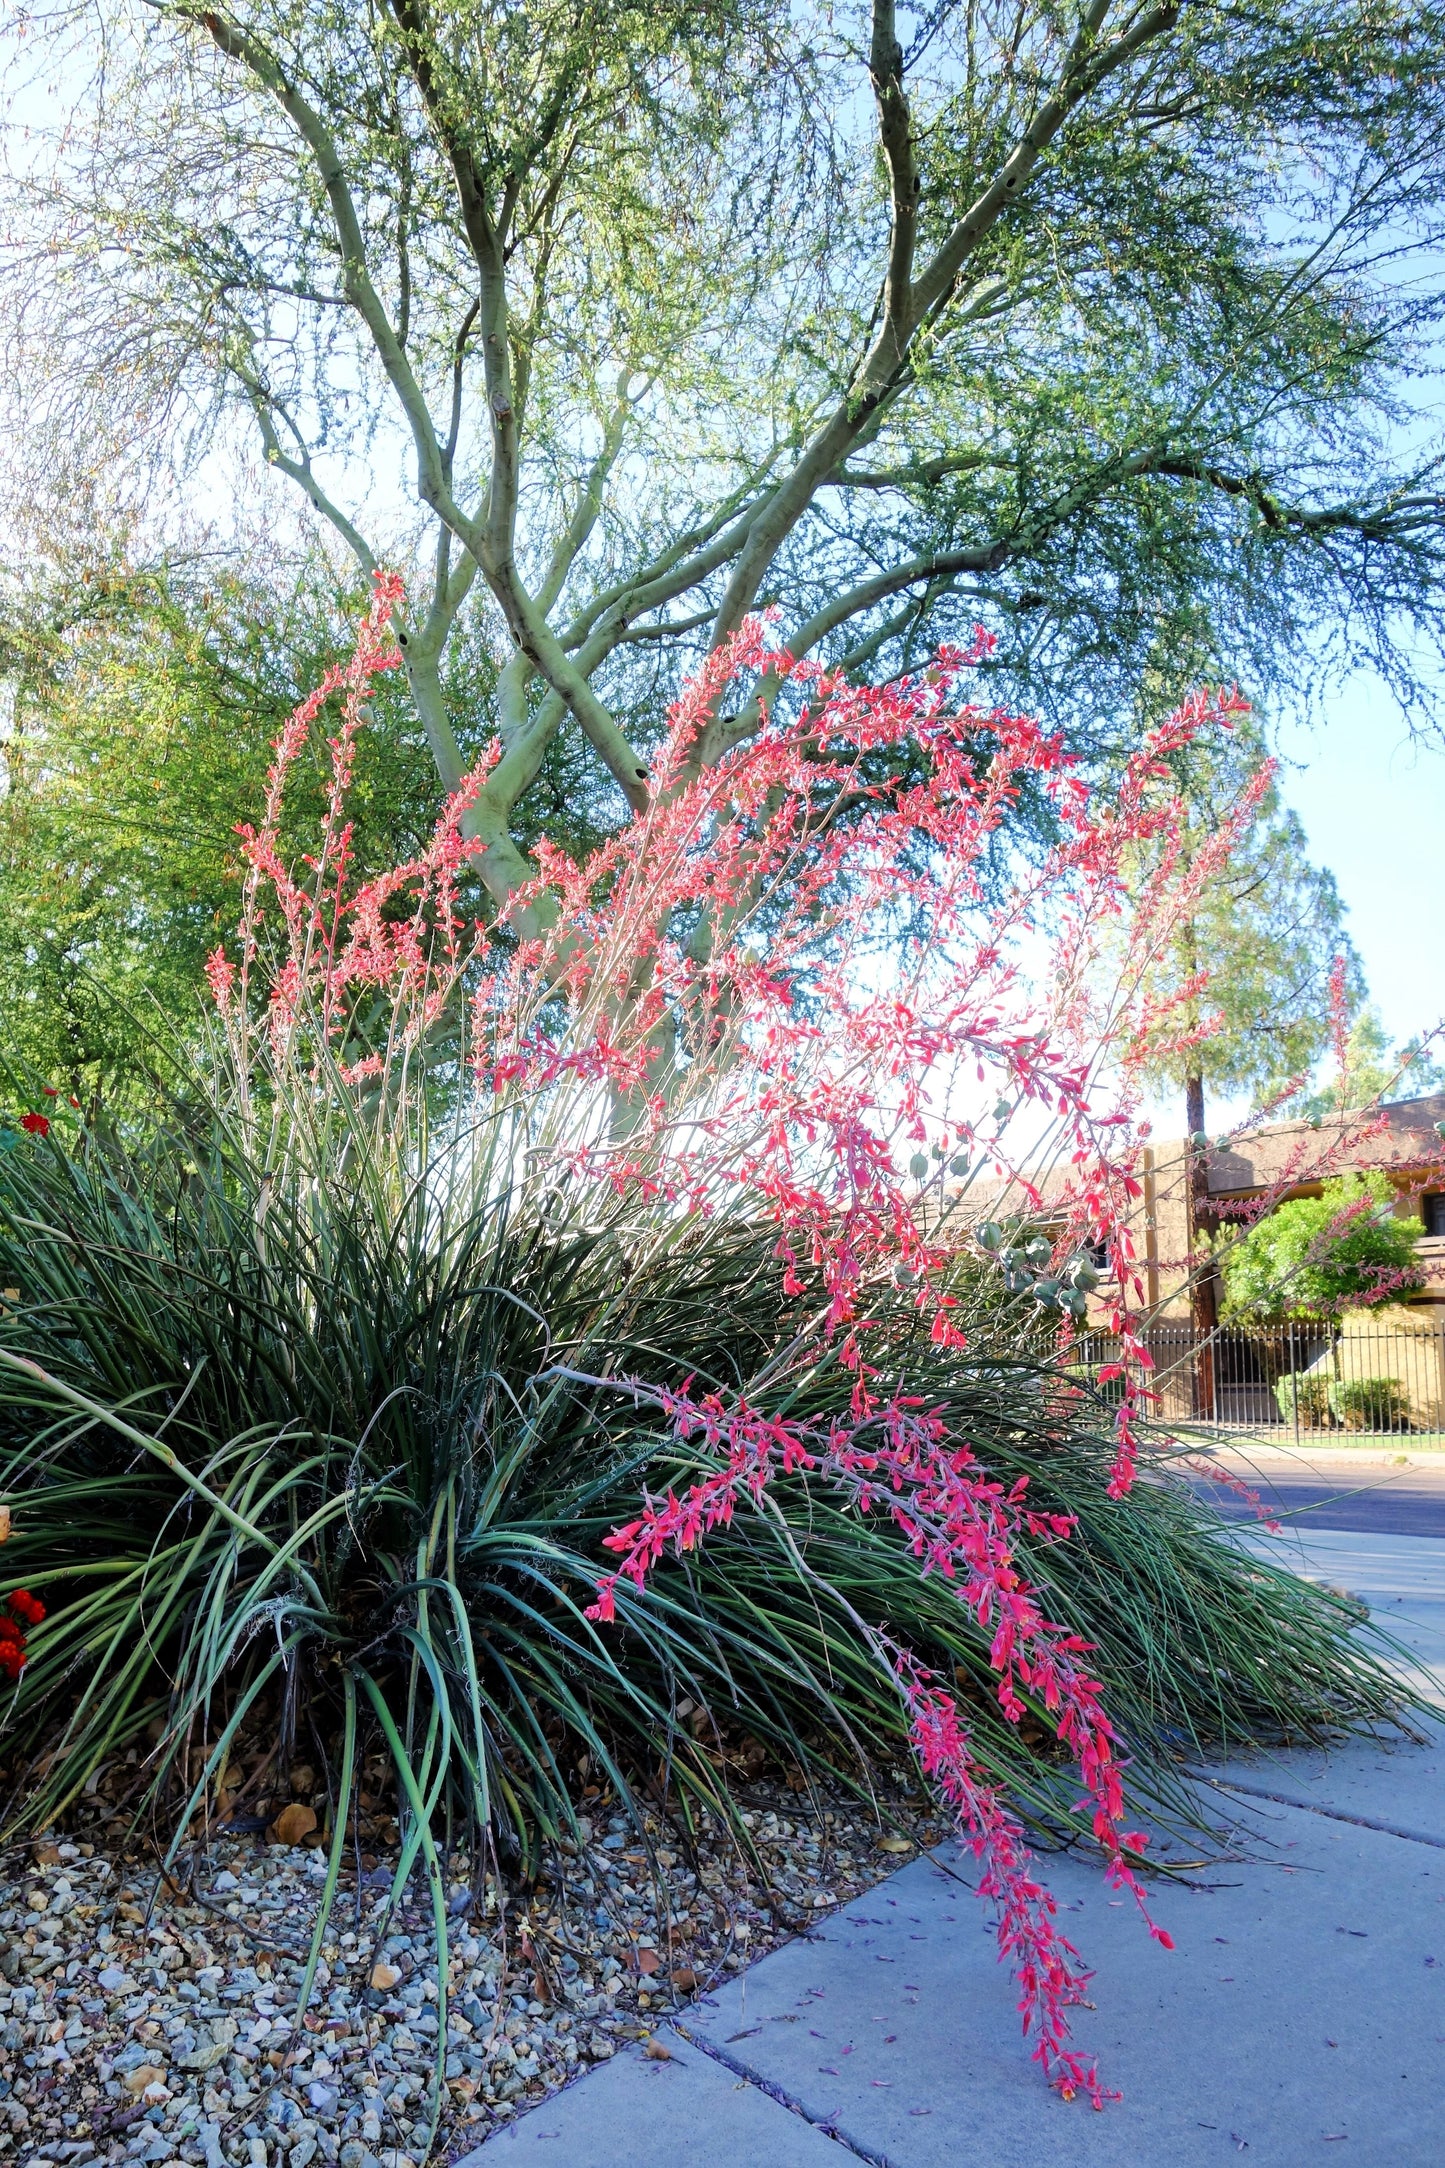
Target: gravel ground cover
x,y
153,2021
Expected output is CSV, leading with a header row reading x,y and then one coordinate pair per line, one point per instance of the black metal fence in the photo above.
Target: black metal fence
x,y
1293,1380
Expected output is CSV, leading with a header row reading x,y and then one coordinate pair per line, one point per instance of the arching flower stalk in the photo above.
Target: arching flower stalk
x,y
791,992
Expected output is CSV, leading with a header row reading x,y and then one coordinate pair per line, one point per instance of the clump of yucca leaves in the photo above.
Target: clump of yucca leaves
x,y
315,1394
306,1419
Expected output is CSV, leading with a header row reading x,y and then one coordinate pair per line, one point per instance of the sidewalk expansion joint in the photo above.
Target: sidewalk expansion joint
x,y
1312,1806
784,2099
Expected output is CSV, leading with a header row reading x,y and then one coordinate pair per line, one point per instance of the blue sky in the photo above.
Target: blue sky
x,y
1373,806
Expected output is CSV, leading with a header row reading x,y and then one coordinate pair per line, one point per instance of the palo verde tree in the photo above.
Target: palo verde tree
x,y
613,324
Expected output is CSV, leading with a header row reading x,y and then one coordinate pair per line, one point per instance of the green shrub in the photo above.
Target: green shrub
x,y
1370,1404
1304,1398
1317,1256
332,1393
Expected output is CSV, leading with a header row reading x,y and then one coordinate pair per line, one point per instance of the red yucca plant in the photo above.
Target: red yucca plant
x,y
765,997
784,1006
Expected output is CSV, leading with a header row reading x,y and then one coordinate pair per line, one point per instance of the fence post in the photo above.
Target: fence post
x,y
1294,1382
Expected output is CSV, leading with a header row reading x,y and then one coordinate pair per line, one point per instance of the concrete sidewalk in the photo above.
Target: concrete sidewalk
x,y
1300,2018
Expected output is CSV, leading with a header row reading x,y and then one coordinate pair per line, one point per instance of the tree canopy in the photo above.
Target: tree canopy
x,y
1371,1070
1317,1256
614,323
142,712
1253,977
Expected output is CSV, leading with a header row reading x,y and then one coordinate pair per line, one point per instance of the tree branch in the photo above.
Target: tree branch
x,y
1380,524
885,365
895,140
922,474
239,46
299,471
1087,66
573,540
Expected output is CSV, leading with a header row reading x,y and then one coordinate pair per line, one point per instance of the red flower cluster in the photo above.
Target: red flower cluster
x,y
35,1125
341,942
960,1524
21,1611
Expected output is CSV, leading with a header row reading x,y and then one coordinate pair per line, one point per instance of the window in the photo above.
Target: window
x,y
1433,1212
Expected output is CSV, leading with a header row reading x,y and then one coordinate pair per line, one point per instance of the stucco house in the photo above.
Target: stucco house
x,y
1236,1378
1280,1160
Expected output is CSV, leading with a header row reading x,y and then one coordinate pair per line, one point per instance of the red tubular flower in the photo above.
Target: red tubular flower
x,y
37,1125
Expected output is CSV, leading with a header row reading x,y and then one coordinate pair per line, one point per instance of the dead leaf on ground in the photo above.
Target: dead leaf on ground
x,y
292,1824
648,1961
895,1844
658,2051
685,1980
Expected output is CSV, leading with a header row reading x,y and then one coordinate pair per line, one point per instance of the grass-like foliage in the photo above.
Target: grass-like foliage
x,y
554,1342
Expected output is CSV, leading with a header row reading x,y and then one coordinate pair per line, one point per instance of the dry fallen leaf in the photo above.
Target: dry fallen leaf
x,y
895,1844
144,2074
45,1855
658,2051
292,1824
648,1961
685,1980
384,1976
4,1524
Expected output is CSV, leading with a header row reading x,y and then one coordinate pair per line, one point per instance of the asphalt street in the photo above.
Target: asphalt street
x,y
1372,1500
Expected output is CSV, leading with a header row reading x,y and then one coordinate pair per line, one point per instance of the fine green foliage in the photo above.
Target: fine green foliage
x,y
1091,324
144,707
1315,1257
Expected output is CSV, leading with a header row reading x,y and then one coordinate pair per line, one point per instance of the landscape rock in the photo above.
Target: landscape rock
x,y
142,2027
